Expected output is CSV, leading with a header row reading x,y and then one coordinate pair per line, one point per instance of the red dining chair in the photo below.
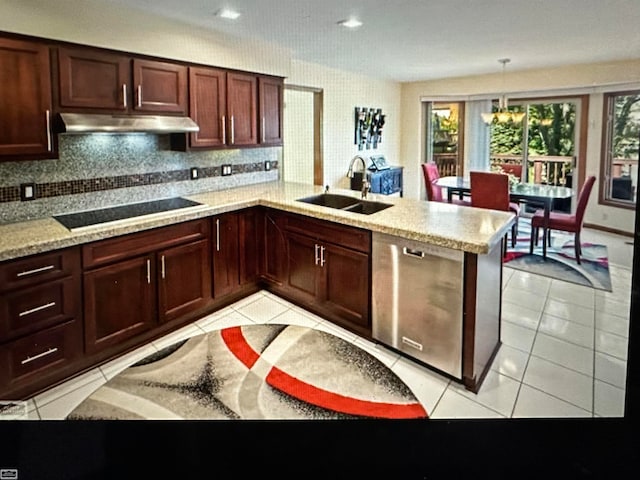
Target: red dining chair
x,y
434,192
491,190
566,222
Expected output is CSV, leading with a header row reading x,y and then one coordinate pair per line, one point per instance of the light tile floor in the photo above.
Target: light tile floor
x,y
563,354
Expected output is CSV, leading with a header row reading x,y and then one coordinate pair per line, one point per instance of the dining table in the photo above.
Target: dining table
x,y
536,194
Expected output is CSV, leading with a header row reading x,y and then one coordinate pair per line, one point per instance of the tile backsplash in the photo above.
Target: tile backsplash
x,y
98,170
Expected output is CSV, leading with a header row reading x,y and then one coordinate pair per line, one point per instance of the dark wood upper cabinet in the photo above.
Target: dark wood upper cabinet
x,y
271,95
92,80
208,106
89,79
242,106
159,87
25,100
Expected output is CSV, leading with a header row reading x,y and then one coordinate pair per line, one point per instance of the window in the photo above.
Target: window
x,y
445,134
620,139
543,146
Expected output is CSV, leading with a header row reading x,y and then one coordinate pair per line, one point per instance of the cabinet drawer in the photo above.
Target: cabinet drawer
x,y
39,268
321,230
119,248
40,353
31,309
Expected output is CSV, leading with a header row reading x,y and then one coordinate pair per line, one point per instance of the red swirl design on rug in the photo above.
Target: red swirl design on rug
x,y
238,345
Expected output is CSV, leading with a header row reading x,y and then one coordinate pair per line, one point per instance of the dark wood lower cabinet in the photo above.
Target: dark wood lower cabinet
x,y
184,282
303,271
345,288
272,248
326,269
226,254
141,286
167,280
119,302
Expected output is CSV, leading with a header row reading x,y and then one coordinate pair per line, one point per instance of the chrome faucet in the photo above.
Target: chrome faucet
x,y
366,186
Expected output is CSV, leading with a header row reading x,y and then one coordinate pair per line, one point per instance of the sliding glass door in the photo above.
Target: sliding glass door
x,y
543,145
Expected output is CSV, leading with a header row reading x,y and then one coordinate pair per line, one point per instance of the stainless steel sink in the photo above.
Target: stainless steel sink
x,y
346,203
330,200
367,207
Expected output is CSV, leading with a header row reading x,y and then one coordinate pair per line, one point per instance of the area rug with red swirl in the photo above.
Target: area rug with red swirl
x,y
255,372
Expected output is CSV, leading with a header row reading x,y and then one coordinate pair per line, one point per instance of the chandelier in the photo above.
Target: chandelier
x,y
503,115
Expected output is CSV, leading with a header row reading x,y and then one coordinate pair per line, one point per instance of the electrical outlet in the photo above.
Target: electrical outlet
x,y
226,170
194,173
267,165
27,191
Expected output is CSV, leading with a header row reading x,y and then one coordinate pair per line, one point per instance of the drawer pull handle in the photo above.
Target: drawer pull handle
x,y
162,264
317,258
139,96
40,355
35,270
322,260
233,132
36,309
124,95
148,271
217,234
413,253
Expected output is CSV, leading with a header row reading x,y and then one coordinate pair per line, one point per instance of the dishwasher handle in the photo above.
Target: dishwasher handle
x,y
413,253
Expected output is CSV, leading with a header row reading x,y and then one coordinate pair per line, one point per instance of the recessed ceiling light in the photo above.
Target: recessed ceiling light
x,y
226,13
351,23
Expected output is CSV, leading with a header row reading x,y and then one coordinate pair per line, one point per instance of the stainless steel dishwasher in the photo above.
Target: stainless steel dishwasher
x,y
417,300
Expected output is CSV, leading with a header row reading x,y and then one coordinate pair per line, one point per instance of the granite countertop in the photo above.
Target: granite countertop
x,y
461,228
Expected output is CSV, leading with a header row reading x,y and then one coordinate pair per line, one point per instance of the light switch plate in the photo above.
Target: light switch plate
x,y
194,173
226,170
267,165
27,191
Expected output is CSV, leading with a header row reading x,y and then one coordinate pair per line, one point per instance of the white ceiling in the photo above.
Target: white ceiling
x,y
407,40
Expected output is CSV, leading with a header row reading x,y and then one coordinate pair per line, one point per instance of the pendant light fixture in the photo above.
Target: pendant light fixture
x,y
503,115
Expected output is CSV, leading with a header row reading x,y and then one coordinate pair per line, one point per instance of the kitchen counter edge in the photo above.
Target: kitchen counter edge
x,y
462,228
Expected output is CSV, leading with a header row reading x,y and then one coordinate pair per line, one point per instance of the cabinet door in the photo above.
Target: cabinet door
x,y
242,106
303,255
25,99
120,302
273,247
226,277
271,99
184,282
208,106
248,245
95,80
160,87
345,283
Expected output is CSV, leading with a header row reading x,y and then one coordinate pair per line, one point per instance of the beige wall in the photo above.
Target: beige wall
x,y
298,121
590,79
101,24
342,92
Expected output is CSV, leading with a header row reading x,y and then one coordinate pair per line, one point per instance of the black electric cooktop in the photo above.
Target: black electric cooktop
x,y
104,215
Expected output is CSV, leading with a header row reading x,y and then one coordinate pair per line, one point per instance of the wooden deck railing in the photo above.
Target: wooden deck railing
x,y
547,169
447,164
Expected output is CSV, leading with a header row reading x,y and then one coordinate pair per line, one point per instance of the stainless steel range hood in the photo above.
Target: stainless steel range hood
x,y
92,123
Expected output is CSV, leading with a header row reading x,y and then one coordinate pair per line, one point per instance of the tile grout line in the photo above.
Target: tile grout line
x,y
530,354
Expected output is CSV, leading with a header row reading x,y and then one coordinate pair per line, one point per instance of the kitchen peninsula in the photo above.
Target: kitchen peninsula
x,y
237,241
